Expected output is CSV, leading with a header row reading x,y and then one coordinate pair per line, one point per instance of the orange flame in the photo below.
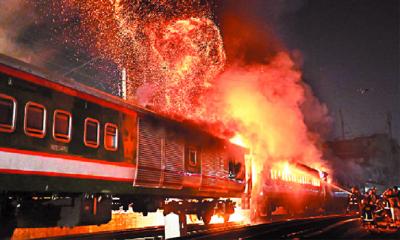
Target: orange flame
x,y
238,140
177,60
286,172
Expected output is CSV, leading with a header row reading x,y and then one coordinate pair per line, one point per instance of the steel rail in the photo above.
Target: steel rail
x,y
155,232
291,228
271,230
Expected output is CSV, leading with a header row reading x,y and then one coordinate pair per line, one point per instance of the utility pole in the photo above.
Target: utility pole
x,y
341,123
123,83
389,124
392,145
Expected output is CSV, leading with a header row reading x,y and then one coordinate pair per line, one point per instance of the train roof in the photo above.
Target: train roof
x,y
80,87
69,83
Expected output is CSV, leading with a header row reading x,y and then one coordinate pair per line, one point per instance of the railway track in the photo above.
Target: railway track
x,y
287,229
325,227
310,228
154,232
329,227
149,232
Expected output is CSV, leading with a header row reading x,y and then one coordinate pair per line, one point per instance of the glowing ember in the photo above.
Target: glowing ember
x,y
171,50
175,59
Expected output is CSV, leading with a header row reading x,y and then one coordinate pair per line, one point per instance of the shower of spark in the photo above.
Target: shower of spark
x,y
174,55
172,50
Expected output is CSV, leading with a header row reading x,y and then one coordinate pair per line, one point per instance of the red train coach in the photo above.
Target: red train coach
x,y
300,190
69,154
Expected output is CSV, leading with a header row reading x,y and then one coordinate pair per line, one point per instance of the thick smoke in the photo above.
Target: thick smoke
x,y
16,17
250,39
316,114
246,42
265,97
254,50
11,25
240,80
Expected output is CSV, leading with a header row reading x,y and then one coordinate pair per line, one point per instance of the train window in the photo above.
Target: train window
x,y
62,122
8,112
236,170
111,137
192,157
35,120
92,133
232,170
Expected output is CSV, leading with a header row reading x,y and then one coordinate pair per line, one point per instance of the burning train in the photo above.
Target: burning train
x,y
68,150
299,189
70,154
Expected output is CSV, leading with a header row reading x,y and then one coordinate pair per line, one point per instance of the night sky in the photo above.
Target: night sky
x,y
350,51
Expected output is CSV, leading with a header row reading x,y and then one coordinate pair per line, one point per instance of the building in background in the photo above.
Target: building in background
x,y
366,161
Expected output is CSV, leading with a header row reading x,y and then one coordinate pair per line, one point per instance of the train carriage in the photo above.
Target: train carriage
x,y
299,189
66,149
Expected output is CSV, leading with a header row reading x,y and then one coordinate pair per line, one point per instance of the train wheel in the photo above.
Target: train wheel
x,y
267,211
226,218
206,217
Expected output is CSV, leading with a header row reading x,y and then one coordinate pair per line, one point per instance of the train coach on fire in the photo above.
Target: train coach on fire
x,y
300,189
68,151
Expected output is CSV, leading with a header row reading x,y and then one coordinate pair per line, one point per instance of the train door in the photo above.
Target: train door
x,y
159,156
149,162
214,170
173,170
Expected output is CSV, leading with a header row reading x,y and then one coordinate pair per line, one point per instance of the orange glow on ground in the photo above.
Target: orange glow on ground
x,y
216,219
119,221
240,216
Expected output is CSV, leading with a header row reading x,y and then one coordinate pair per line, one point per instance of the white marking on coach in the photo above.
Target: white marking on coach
x,y
27,162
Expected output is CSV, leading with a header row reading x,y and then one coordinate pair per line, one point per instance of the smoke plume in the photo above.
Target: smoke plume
x,y
16,17
240,81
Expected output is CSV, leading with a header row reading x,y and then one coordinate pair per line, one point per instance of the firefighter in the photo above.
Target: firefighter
x,y
392,196
396,210
368,206
367,209
382,211
354,200
371,196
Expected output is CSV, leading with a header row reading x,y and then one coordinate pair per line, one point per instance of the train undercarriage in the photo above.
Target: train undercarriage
x,y
267,206
21,210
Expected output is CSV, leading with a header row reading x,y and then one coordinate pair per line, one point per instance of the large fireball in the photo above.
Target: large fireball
x,y
175,59
190,54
